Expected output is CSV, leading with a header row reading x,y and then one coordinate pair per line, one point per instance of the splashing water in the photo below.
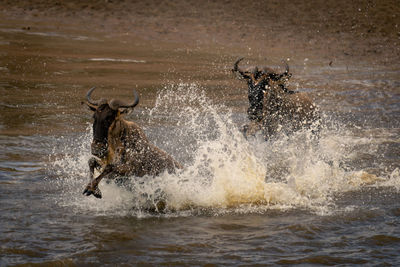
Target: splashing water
x,y
223,172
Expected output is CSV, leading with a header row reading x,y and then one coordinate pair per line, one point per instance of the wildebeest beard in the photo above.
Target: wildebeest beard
x,y
104,116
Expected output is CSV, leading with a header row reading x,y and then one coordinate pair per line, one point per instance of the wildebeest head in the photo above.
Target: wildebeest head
x,y
105,113
265,72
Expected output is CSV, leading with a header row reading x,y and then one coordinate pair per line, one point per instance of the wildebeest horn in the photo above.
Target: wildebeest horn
x,y
91,102
286,73
116,104
235,66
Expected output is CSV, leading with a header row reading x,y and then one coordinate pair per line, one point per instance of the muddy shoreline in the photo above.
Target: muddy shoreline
x,y
328,32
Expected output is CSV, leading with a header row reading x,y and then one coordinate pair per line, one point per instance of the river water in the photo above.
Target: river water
x,y
291,200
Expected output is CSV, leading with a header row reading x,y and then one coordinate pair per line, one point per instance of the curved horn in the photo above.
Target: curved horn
x,y
286,74
235,66
89,99
94,103
116,104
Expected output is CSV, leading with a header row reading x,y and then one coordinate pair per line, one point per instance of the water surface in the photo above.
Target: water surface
x,y
291,200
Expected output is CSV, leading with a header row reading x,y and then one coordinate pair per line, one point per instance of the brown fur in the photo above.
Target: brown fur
x,y
286,111
133,154
129,152
283,110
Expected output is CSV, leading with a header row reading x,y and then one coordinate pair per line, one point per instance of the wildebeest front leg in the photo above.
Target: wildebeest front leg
x,y
93,164
92,188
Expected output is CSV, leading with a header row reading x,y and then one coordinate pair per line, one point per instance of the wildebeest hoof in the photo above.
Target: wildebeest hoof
x,y
88,191
97,193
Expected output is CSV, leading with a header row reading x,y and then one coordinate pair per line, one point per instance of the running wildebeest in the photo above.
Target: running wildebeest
x,y
120,147
273,107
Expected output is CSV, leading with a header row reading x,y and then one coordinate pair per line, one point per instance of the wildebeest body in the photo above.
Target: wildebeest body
x,y
281,109
121,147
133,154
286,111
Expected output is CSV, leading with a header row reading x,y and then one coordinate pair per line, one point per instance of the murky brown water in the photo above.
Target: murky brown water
x,y
287,201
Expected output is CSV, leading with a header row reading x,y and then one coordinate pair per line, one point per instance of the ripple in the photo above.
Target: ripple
x,y
383,240
49,34
117,60
322,259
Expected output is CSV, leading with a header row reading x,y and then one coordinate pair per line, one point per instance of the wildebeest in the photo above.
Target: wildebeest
x,y
120,147
273,107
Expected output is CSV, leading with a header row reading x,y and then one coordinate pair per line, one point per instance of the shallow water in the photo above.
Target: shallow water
x,y
292,200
